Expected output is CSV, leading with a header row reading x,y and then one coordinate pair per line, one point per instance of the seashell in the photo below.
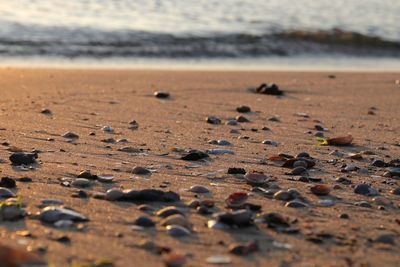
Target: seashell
x,y
320,190
177,231
53,214
256,178
199,189
105,178
236,199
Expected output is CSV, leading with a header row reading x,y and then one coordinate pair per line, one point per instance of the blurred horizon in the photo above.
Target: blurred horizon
x,y
258,32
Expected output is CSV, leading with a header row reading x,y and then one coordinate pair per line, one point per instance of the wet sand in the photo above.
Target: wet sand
x,y
83,101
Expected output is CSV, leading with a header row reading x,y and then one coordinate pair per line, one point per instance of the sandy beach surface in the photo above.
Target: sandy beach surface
x,y
365,105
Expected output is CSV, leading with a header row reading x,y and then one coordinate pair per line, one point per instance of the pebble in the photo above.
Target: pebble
x,y
150,195
161,94
350,168
378,163
195,155
70,135
220,152
6,193
140,171
238,217
213,142
114,194
282,195
326,203
295,204
243,109
11,212
22,158
256,178
7,182
269,89
46,111
243,249
344,216
174,259
393,171
343,180
213,120
107,129
300,163
133,125
366,190
320,190
275,220
81,182
87,174
364,204
53,214
241,118
177,231
297,171
199,189
105,178
144,221
270,142
168,211
386,239
176,219
223,142
236,200
234,170
232,123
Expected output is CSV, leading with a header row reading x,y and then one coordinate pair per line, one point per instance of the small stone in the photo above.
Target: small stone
x,y
220,152
177,231
133,125
22,158
238,217
70,135
344,216
378,163
235,170
319,127
25,180
7,182
295,204
270,142
174,259
223,142
46,111
269,89
6,193
140,171
53,214
232,123
394,171
105,178
243,109
320,190
300,163
81,182
199,189
144,222
80,194
241,118
243,249
11,212
364,189
213,142
168,211
298,171
236,200
161,94
87,175
256,178
114,194
274,119
213,120
282,195
350,168
364,204
275,220
326,203
195,155
386,239
107,129
176,219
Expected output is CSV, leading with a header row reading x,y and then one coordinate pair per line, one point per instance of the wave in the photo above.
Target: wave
x,y
73,43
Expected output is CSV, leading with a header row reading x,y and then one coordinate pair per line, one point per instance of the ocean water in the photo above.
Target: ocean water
x,y
200,30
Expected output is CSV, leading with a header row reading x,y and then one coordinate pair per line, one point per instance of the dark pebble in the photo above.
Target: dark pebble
x,y
144,222
25,180
386,239
319,127
269,89
242,119
194,155
236,171
344,216
213,120
87,174
343,180
378,163
303,155
7,182
20,158
243,109
161,94
366,190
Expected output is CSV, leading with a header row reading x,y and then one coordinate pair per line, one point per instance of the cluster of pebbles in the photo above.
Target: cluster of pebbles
x,y
169,212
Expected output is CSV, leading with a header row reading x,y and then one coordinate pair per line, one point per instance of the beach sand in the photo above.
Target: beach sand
x,y
83,101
